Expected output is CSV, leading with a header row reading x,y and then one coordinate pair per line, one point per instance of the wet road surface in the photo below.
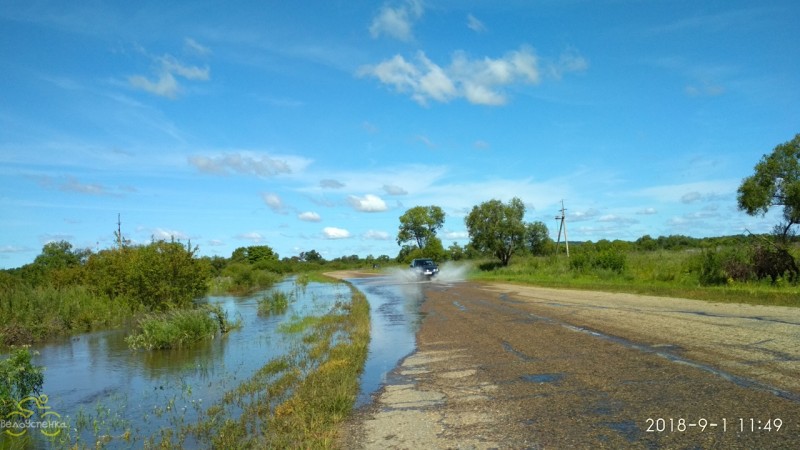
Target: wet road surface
x,y
520,367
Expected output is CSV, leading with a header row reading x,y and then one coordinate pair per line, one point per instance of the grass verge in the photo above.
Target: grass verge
x,y
665,274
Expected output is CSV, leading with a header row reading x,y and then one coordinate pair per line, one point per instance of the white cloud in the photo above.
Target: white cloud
x,y
160,233
216,242
193,46
368,203
251,236
647,211
376,235
616,219
331,184
691,197
72,184
712,189
479,81
396,22
455,235
273,201
166,85
335,233
309,216
392,189
474,24
248,163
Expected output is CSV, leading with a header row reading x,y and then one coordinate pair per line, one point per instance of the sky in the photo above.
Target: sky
x,y
314,125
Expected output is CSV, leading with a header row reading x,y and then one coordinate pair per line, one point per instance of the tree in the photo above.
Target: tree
x,y
419,224
537,238
311,256
776,182
497,228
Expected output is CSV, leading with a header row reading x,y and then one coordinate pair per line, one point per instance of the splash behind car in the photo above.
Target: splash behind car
x,y
424,267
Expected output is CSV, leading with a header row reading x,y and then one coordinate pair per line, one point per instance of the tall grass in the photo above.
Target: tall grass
x,y
30,314
179,328
276,302
296,400
660,273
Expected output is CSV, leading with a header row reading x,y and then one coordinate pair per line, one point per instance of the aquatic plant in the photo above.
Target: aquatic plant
x,y
277,302
177,328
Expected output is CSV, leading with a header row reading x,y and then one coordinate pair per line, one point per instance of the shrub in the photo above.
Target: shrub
x,y
173,329
275,303
19,378
711,272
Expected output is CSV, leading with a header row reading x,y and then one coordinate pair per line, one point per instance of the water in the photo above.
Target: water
x,y
394,318
96,380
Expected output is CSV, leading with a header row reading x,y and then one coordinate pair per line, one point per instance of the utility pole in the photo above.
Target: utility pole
x,y
119,231
562,225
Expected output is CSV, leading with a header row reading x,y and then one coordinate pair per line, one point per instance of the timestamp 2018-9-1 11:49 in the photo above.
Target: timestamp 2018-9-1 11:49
x,y
740,424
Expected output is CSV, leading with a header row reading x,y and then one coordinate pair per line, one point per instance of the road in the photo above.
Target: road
x,y
509,366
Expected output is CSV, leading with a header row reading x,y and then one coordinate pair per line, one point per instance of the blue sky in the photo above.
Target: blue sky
x,y
315,125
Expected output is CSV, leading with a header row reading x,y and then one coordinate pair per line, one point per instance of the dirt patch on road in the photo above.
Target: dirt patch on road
x,y
520,367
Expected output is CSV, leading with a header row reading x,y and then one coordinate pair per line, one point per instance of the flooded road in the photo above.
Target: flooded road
x,y
109,393
510,366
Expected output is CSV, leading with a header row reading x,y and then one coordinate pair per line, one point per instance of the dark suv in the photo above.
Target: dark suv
x,y
424,267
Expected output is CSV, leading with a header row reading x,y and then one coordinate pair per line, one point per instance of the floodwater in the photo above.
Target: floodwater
x,y
96,383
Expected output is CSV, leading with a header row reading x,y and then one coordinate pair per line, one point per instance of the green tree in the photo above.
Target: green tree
x,y
537,238
420,224
497,228
776,182
311,256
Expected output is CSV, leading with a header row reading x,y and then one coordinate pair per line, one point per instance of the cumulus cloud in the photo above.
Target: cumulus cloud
x,y
247,163
454,235
164,234
251,236
165,84
273,201
367,203
335,233
579,216
392,189
647,211
479,81
309,216
397,21
613,218
376,235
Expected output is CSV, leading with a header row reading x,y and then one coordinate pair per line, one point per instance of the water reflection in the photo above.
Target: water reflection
x,y
96,375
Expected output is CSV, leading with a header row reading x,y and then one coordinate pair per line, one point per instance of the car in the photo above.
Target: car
x,y
424,267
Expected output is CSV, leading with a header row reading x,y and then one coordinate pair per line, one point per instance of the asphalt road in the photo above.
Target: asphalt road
x,y
507,366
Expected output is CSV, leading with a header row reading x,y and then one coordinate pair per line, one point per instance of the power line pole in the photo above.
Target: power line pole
x,y
562,225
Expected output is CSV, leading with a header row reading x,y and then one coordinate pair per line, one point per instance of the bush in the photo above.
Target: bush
x,y
608,259
19,378
275,303
711,272
173,329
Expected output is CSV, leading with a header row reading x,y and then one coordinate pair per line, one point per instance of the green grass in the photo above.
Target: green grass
x,y
660,273
30,315
179,328
276,302
296,400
